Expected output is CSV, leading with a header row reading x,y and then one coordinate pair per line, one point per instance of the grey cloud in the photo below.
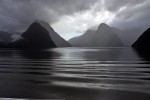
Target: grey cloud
x,y
115,5
134,15
18,14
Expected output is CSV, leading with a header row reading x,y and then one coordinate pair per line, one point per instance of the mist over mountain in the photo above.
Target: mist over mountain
x,y
128,37
99,62
105,36
5,36
38,35
86,39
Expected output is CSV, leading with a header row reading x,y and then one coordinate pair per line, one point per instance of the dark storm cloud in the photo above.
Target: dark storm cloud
x,y
18,14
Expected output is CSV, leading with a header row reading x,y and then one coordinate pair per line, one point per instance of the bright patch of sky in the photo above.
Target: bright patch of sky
x,y
70,26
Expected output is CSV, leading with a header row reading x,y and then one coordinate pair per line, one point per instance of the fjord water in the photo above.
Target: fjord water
x,y
75,74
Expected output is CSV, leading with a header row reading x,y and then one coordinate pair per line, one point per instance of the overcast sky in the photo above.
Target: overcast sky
x,y
73,17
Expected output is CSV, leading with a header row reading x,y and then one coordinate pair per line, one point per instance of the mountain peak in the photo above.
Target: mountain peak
x,y
103,26
39,21
44,24
37,36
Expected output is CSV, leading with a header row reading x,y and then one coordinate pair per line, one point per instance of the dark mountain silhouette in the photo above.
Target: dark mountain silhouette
x,y
36,36
39,35
105,36
143,41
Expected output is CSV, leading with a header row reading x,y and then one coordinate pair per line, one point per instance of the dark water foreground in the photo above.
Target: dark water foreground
x,y
75,74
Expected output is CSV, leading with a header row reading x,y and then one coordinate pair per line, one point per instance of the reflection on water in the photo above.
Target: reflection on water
x,y
75,74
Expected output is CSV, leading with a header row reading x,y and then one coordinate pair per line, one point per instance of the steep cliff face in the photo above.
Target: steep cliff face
x,y
36,36
143,41
58,40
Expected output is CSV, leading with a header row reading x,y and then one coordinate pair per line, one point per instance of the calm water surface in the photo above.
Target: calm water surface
x,y
75,74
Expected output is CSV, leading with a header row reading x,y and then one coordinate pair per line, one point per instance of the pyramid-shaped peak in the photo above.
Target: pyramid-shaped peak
x,y
44,24
103,25
103,28
41,22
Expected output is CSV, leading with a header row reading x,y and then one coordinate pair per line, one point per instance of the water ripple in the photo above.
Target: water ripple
x,y
62,69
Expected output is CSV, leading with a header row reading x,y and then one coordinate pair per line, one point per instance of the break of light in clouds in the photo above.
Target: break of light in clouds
x,y
73,17
77,23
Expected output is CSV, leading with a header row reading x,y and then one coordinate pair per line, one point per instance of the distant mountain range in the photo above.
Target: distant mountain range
x,y
41,35
105,36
